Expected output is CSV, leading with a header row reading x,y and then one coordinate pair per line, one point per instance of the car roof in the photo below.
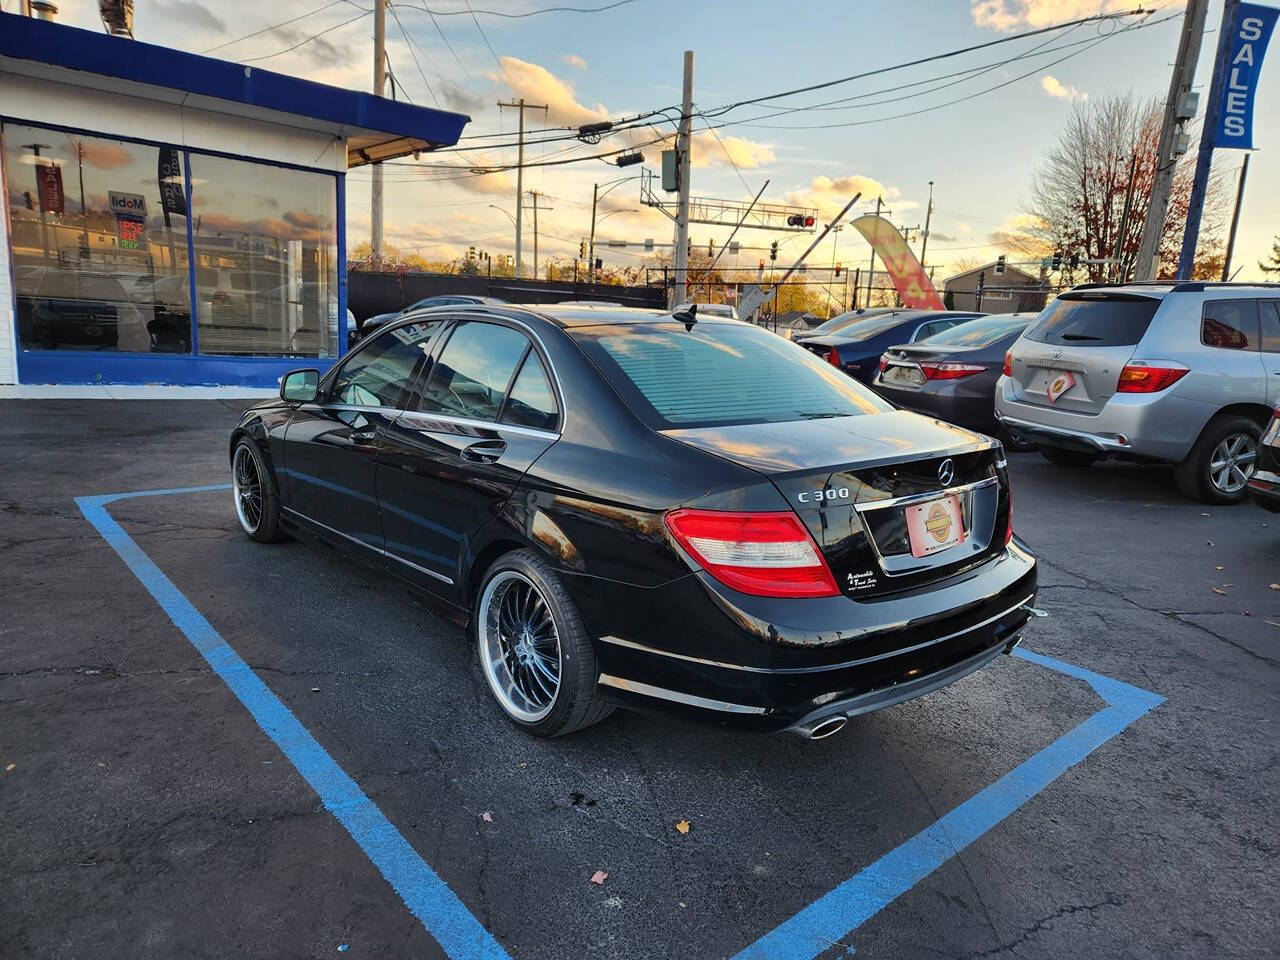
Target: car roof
x,y
1161,288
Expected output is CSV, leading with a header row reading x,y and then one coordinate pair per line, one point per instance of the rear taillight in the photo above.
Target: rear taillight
x,y
1008,363
833,357
764,554
884,364
1139,378
948,370
1008,527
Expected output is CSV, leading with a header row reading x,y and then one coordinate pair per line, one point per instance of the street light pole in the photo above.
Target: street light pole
x,y
680,256
379,84
591,262
928,215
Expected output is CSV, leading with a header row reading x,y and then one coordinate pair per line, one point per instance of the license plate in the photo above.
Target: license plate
x,y
1059,383
935,525
904,375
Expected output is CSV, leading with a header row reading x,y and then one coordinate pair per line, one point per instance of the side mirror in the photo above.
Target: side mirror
x,y
300,386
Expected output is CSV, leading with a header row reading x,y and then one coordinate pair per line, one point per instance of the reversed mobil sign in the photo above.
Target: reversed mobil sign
x,y
130,210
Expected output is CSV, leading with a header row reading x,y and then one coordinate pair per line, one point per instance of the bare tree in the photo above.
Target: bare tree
x,y
1078,192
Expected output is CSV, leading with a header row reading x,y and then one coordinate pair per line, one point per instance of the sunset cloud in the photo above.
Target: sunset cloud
x,y
830,194
1006,16
575,61
1059,90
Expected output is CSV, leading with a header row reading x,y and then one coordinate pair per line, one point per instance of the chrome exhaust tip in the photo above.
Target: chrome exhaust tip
x,y
827,728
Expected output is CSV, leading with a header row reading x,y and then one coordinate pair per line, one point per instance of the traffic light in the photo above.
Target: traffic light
x,y
839,267
762,264
582,250
1074,261
799,220
1057,260
773,250
1000,264
599,263
688,250
711,248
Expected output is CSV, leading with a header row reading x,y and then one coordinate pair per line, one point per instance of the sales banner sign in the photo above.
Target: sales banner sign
x,y
908,276
173,198
1254,25
49,186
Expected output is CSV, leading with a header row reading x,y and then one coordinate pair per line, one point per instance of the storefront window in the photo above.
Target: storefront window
x,y
266,251
99,235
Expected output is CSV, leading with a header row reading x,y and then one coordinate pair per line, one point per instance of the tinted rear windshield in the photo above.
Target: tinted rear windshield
x,y
1080,321
870,326
719,373
977,333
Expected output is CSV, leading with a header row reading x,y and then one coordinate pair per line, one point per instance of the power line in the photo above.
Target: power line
x,y
435,23
519,16
307,40
409,41
480,30
277,26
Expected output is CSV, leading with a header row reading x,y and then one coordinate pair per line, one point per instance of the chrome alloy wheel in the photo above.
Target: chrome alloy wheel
x,y
246,484
519,646
1232,462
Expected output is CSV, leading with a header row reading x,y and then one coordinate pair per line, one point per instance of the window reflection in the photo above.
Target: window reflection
x,y
99,238
266,259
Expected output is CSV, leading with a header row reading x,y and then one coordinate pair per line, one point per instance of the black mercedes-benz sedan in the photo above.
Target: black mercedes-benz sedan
x,y
625,507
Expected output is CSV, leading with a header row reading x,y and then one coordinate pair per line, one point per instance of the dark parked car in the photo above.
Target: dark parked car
x,y
952,375
1264,485
625,512
838,322
442,300
856,349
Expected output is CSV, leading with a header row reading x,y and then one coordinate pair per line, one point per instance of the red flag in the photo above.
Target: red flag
x,y
909,278
49,185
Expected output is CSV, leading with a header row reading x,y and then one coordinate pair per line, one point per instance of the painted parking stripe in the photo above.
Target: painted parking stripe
x,y
826,921
812,931
428,897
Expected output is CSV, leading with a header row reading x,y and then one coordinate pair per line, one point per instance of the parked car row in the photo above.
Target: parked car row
x,y
1181,373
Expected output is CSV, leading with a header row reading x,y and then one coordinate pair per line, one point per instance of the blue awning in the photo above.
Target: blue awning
x,y
375,128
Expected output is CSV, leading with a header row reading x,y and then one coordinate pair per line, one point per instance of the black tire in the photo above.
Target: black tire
x,y
1195,476
577,702
262,524
1016,441
1068,458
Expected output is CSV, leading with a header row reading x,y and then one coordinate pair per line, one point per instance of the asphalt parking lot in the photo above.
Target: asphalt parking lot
x,y
146,813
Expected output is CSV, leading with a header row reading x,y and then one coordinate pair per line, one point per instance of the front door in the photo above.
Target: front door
x,y
487,412
330,447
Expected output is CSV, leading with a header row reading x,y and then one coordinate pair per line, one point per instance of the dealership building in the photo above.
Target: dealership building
x,y
172,224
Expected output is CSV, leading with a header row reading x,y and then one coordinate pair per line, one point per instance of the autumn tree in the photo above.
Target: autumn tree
x,y
1078,192
1272,263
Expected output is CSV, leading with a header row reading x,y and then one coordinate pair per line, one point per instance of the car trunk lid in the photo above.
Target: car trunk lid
x,y
857,481
1071,357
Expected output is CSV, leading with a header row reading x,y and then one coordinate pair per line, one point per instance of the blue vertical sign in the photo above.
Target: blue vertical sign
x,y
1253,27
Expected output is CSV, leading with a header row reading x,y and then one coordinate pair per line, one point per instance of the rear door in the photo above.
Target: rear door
x,y
1071,357
1270,315
488,408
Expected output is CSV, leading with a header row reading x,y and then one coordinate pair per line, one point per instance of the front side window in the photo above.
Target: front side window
x,y
99,237
532,401
471,377
1230,324
266,249
719,373
381,373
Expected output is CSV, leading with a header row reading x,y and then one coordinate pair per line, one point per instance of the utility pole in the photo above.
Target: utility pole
x,y
591,261
1208,134
928,215
1184,75
680,255
1118,268
1235,220
871,270
535,195
379,83
522,107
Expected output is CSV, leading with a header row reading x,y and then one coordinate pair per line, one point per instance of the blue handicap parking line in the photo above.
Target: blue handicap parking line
x,y
807,934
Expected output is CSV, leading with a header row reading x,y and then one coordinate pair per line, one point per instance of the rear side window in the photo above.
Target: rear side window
x,y
1230,324
1270,310
471,377
532,402
719,373
1081,321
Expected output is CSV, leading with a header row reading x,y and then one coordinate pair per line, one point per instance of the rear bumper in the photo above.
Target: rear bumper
x,y
1157,427
1264,490
695,650
951,402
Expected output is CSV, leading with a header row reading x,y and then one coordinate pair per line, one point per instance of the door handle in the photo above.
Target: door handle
x,y
484,451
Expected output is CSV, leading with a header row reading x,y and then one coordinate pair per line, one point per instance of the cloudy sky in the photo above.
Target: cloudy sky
x,y
886,136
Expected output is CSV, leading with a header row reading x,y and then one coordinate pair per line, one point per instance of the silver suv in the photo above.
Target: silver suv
x,y
1183,373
